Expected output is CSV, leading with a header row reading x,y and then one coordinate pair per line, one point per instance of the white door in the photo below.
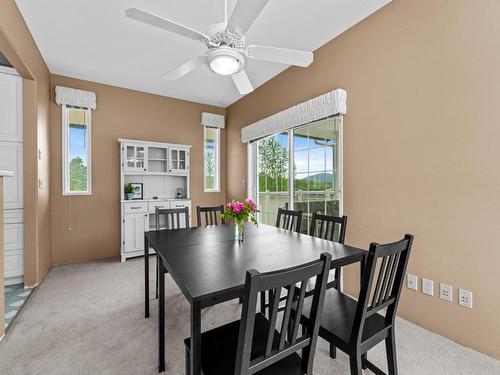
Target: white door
x,y
13,250
134,227
11,159
11,97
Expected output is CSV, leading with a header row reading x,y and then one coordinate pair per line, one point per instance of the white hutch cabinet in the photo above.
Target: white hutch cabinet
x,y
163,171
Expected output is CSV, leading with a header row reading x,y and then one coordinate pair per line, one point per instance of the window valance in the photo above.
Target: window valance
x,y
212,120
326,105
78,98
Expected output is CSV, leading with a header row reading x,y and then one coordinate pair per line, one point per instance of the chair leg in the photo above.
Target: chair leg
x,y
364,358
186,361
355,362
157,276
390,347
303,351
333,351
338,276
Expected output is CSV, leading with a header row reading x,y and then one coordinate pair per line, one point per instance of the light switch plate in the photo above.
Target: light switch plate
x,y
412,282
428,287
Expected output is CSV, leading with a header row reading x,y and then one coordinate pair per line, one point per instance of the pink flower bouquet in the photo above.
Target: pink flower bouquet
x,y
240,213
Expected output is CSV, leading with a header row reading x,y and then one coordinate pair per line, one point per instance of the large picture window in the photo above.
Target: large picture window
x,y
300,169
272,167
76,151
211,159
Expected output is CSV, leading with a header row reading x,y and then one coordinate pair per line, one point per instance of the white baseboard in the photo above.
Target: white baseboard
x,y
14,280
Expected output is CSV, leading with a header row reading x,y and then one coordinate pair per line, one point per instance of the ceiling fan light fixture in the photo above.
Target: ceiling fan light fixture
x,y
225,65
225,61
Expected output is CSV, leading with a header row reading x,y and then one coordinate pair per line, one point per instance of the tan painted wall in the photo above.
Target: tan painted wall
x,y
19,47
120,113
420,148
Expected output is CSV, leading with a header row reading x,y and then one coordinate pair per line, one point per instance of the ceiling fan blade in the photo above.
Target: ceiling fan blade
x,y
280,55
184,69
245,12
165,24
242,82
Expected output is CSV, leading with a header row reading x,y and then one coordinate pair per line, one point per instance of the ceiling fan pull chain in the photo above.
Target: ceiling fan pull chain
x,y
225,11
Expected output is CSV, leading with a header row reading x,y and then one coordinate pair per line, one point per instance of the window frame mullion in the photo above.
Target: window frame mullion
x,y
290,169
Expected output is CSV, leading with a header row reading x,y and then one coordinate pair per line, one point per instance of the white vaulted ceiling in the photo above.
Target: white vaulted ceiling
x,y
93,40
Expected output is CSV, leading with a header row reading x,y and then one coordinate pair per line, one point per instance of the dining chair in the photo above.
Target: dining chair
x,y
172,221
256,345
356,326
211,214
289,219
332,228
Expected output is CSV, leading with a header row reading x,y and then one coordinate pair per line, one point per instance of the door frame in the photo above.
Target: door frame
x,y
252,168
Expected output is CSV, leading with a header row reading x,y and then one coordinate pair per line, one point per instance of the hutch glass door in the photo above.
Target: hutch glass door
x,y
135,158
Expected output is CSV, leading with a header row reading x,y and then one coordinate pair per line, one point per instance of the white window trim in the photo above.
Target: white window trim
x,y
217,161
65,145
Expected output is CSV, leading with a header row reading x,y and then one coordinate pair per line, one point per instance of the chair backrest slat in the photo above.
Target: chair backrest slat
x,y
392,275
379,281
210,214
170,215
275,298
387,274
393,259
327,226
289,219
286,317
284,341
300,304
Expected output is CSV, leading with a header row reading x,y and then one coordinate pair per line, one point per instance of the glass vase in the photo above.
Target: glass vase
x,y
239,230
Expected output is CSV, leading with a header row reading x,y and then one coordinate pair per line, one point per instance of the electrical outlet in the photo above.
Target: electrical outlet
x,y
446,292
412,282
428,287
465,298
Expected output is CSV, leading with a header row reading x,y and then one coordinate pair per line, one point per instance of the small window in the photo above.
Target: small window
x,y
76,151
211,166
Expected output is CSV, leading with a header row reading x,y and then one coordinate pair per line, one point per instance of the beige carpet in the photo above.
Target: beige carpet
x,y
88,319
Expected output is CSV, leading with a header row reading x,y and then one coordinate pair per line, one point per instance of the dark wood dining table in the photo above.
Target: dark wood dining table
x,y
209,267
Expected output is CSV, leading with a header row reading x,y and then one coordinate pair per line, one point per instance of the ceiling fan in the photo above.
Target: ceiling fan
x,y
227,51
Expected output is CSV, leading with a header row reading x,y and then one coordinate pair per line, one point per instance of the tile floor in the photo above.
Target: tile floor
x,y
15,297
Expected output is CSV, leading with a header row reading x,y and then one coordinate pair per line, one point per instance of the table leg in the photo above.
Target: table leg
x,y
161,317
362,265
195,359
146,277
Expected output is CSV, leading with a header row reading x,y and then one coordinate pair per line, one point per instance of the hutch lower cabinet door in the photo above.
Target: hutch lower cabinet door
x,y
134,227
